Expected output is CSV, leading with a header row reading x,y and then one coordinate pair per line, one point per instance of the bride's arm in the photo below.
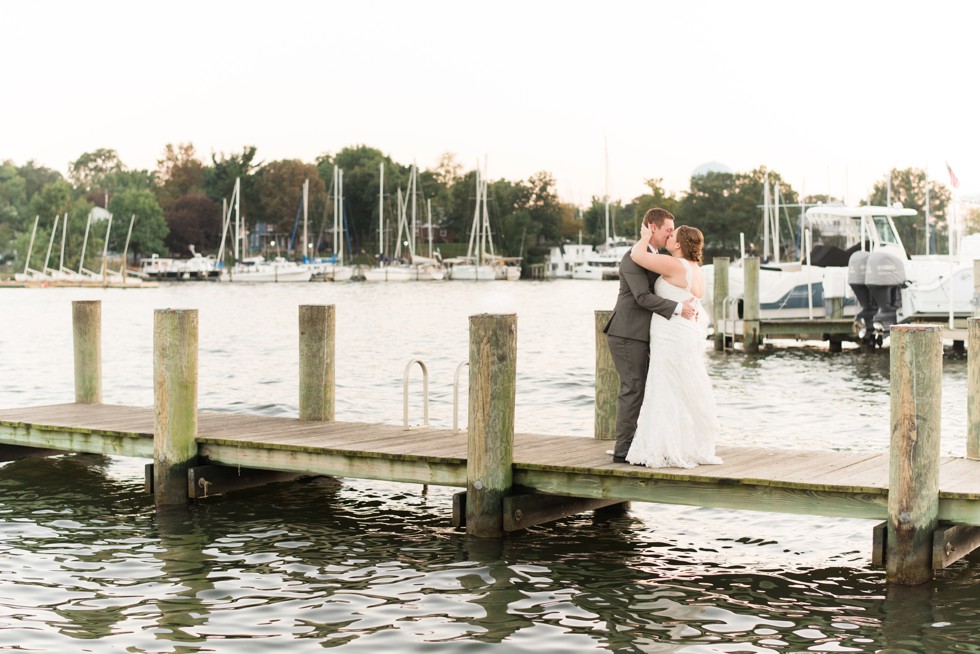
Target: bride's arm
x,y
653,261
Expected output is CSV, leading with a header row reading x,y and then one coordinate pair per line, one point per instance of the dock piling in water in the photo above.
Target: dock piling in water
x,y
913,476
751,309
490,444
720,292
606,381
87,340
175,341
317,362
973,389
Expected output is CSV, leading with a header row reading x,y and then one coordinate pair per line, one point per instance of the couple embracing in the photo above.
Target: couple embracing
x,y
666,411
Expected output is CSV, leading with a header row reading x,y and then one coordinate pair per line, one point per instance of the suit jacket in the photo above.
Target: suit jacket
x,y
636,302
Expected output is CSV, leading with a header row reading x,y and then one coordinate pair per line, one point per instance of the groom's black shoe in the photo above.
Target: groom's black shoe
x,y
619,459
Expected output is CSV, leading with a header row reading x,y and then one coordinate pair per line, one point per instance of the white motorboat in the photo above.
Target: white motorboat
x,y
257,269
860,257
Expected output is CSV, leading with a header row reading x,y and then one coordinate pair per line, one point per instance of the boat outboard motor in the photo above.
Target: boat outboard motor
x,y
857,268
885,278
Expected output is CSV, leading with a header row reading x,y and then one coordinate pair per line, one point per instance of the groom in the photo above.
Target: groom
x,y
628,330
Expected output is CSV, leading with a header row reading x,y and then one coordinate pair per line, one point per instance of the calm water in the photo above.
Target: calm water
x,y
87,564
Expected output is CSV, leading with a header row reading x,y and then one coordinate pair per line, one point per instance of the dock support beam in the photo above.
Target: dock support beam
x,y
973,389
490,448
175,339
751,311
606,381
317,368
913,476
86,316
720,291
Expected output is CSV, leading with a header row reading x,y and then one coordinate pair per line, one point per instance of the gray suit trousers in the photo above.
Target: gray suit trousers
x,y
632,360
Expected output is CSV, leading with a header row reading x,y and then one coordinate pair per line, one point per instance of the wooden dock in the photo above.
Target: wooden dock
x,y
843,484
931,505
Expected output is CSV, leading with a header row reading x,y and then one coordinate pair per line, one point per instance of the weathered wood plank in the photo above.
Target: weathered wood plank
x,y
205,481
951,543
687,492
444,473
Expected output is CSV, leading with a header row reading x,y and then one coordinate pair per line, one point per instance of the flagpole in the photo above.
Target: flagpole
x,y
955,183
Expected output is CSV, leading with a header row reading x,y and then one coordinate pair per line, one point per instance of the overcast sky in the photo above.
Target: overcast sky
x,y
832,94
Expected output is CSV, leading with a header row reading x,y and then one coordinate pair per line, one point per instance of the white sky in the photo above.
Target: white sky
x,y
832,94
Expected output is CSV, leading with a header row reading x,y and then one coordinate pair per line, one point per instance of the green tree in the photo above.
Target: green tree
x,y
149,229
657,197
89,170
178,173
362,179
13,196
280,187
193,220
908,186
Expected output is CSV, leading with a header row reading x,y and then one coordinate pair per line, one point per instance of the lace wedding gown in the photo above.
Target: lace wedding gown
x,y
678,422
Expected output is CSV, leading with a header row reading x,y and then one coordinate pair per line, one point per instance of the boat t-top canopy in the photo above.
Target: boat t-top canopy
x,y
830,212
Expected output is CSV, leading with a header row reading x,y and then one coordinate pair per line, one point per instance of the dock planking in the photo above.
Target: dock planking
x,y
846,484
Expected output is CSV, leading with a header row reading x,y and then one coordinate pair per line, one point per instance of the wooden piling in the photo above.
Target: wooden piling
x,y
87,336
751,310
973,389
175,339
606,381
913,486
720,291
976,286
493,377
317,367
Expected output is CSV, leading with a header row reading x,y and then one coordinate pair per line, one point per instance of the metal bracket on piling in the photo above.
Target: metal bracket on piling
x,y
459,369
425,393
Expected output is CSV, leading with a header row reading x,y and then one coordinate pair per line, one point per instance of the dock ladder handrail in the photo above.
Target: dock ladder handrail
x,y
459,369
726,321
425,393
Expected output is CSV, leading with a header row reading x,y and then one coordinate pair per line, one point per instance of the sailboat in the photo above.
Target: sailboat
x,y
603,262
257,268
396,270
478,264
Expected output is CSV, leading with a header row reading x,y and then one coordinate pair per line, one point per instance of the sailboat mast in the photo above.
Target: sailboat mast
x,y
105,246
306,207
765,218
64,232
47,257
428,215
381,211
81,260
129,234
775,224
340,197
411,241
336,190
928,214
30,248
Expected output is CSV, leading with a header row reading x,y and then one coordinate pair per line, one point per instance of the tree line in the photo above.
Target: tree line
x,y
179,205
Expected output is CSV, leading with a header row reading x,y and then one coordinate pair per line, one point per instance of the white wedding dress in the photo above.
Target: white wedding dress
x,y
678,422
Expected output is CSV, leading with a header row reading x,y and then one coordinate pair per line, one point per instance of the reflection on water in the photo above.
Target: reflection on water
x,y
86,563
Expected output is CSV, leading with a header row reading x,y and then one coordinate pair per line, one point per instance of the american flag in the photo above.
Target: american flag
x,y
952,177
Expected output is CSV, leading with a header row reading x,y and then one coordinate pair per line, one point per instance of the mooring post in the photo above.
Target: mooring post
x,y
751,310
606,381
86,317
973,388
175,403
719,300
317,368
490,445
976,287
913,475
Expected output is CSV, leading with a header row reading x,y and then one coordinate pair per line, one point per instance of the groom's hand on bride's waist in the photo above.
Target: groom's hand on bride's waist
x,y
688,310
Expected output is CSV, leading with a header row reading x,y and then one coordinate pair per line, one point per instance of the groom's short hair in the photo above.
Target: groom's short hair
x,y
657,217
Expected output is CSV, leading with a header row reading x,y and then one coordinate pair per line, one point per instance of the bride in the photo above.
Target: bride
x,y
678,423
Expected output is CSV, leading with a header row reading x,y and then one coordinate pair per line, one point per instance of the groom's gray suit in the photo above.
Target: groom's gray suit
x,y
628,334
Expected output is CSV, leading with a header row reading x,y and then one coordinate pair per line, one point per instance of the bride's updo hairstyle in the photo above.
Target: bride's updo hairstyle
x,y
691,241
